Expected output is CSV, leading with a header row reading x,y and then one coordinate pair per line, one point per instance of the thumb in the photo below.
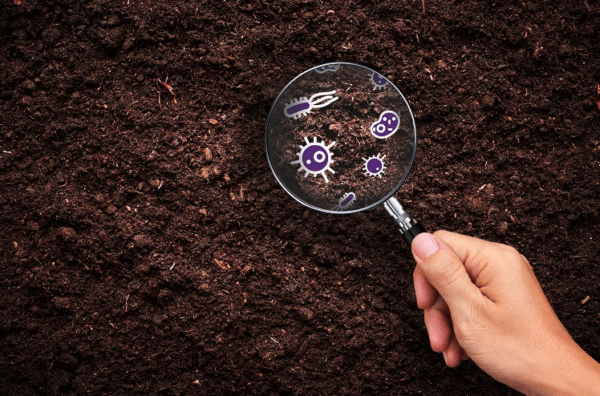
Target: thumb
x,y
445,271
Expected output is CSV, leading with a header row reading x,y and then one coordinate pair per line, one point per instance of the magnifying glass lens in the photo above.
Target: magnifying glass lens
x,y
341,138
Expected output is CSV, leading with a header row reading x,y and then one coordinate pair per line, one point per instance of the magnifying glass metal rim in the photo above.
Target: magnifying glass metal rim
x,y
369,207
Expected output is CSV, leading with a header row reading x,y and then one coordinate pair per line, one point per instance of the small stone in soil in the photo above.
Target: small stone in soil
x,y
67,233
142,241
502,227
61,302
29,85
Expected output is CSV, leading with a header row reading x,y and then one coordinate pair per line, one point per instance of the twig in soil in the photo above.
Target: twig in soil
x,y
537,51
168,88
172,267
478,122
131,190
423,1
126,300
274,340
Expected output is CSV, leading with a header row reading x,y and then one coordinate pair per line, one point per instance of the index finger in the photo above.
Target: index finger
x,y
479,255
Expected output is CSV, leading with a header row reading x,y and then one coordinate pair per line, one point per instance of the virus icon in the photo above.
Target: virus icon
x,y
315,158
378,81
386,125
326,68
302,106
374,166
346,201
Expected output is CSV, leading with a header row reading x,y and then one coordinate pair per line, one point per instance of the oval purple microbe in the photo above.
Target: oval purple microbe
x,y
386,125
347,200
300,107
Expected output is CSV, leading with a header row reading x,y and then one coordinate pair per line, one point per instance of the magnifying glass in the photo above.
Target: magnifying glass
x,y
341,139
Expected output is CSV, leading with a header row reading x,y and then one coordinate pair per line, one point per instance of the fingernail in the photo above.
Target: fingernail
x,y
445,357
424,245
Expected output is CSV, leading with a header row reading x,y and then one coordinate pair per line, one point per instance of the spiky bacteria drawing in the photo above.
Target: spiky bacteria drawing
x,y
378,81
302,106
386,125
315,158
346,201
374,166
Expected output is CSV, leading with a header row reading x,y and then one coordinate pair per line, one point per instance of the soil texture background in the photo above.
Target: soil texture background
x,y
147,249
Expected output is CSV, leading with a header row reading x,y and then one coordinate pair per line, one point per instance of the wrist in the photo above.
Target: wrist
x,y
574,374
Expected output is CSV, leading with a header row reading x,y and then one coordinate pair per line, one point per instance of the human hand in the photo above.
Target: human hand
x,y
482,301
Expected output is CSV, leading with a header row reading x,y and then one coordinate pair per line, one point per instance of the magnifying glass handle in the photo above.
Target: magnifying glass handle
x,y
409,228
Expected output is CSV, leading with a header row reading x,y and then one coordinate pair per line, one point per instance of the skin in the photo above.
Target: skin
x,y
482,301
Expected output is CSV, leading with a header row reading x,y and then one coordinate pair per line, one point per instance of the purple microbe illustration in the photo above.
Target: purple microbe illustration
x,y
326,68
315,158
374,166
386,125
302,106
378,81
346,201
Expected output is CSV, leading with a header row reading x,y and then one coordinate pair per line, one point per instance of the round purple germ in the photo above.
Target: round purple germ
x,y
315,158
379,80
374,165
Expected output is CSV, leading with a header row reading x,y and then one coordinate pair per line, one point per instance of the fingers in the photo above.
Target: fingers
x,y
460,244
425,293
445,271
439,327
441,334
453,354
494,268
475,253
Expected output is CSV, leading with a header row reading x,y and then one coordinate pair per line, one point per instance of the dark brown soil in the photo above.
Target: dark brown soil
x,y
146,248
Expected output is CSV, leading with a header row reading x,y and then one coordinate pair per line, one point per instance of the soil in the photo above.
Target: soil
x,y
147,249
